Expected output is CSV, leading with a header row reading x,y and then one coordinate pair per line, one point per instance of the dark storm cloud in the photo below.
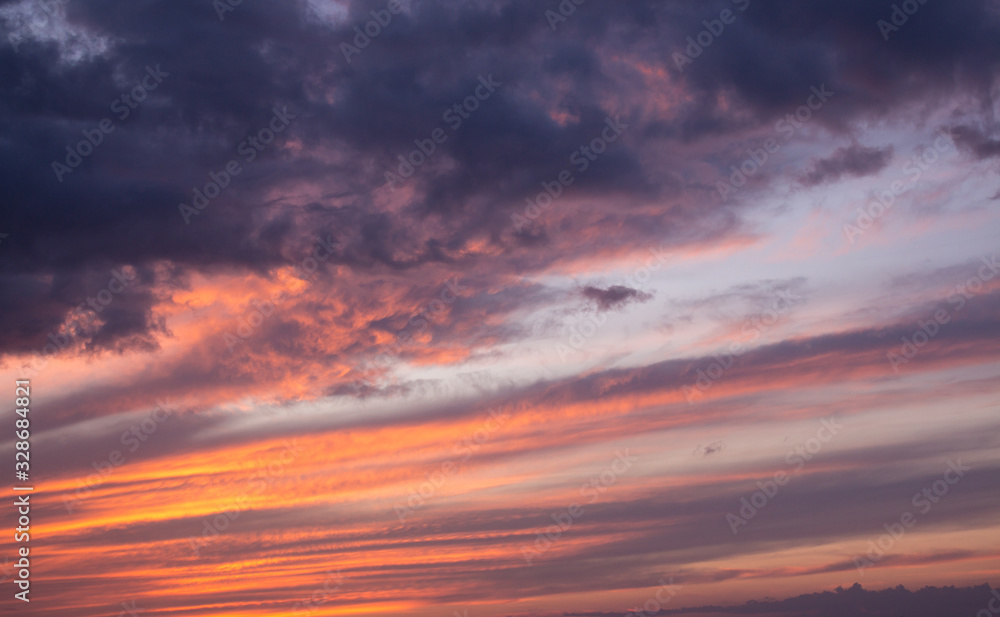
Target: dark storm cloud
x,y
109,308
119,206
851,161
614,297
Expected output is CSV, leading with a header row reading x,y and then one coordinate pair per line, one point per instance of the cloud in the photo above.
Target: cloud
x,y
614,297
713,448
325,173
851,161
977,141
379,295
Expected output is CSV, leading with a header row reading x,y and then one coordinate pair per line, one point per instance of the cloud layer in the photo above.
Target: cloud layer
x,y
417,280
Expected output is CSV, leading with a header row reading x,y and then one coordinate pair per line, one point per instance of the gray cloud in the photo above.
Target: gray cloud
x,y
614,297
851,161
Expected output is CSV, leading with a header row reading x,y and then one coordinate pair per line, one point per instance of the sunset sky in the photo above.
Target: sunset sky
x,y
503,307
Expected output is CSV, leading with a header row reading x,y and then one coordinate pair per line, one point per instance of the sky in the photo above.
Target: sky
x,y
523,308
